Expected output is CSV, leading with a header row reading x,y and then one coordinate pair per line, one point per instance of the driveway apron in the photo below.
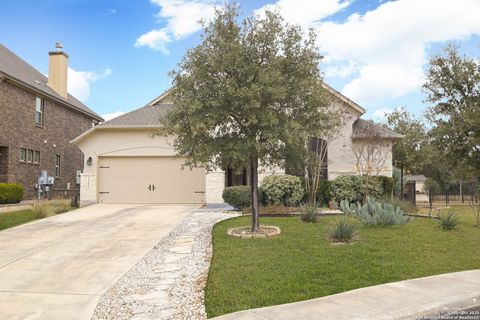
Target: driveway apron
x,y
57,268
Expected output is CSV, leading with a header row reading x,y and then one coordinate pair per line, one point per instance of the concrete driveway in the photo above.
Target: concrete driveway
x,y
57,268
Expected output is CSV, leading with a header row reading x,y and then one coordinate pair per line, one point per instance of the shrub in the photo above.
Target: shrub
x,y
283,189
324,192
387,184
309,213
237,196
10,193
346,188
61,207
448,221
41,210
343,230
375,213
404,205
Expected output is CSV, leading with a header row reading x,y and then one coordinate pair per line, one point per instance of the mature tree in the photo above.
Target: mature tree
x,y
453,87
408,153
244,94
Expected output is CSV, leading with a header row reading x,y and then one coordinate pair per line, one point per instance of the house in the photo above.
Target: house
x,y
126,163
38,119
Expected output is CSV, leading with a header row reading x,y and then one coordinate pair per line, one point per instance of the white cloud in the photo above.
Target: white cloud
x,y
305,13
385,49
182,19
381,113
389,44
79,82
110,116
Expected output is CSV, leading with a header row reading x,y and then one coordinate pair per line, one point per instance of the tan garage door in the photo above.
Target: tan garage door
x,y
149,180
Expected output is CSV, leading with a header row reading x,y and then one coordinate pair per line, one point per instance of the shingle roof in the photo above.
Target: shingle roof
x,y
363,129
146,116
13,66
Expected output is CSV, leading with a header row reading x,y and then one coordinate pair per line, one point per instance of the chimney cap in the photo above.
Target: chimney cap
x,y
59,46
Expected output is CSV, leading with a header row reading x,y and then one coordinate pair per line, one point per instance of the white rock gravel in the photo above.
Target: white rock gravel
x,y
168,282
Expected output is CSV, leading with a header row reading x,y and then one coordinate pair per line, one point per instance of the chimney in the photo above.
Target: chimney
x,y
57,70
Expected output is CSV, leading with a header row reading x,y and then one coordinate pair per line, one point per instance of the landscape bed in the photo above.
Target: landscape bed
x,y
301,263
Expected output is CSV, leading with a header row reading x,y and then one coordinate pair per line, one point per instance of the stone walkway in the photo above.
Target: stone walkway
x,y
168,282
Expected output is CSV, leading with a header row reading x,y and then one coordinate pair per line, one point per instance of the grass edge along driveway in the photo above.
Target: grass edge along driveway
x,y
301,264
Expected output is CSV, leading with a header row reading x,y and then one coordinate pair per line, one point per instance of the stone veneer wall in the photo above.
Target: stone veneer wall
x,y
88,189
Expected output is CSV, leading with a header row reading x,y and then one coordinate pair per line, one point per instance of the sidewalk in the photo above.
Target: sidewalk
x,y
409,299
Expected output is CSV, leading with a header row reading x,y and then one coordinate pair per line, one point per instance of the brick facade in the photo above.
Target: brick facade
x,y
18,130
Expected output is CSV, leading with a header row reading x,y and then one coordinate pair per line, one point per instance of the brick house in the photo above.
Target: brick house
x,y
38,118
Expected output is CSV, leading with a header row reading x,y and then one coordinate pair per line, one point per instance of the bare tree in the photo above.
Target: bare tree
x,y
371,151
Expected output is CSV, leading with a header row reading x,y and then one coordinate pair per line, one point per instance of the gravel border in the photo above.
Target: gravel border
x,y
168,282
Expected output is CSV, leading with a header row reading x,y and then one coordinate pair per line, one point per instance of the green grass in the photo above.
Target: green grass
x,y
15,218
301,263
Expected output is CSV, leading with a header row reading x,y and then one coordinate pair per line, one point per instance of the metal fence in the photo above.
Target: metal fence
x,y
465,193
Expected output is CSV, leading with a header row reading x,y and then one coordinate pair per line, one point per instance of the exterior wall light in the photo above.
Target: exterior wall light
x,y
89,161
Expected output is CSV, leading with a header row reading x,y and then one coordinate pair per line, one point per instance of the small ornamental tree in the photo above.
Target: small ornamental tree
x,y
245,93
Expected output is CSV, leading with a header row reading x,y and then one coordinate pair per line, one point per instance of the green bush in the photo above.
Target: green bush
x,y
387,184
283,189
343,230
324,192
10,193
375,213
356,188
237,196
346,188
309,213
448,221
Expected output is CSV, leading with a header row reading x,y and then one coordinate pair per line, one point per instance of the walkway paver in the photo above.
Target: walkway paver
x,y
410,299
57,268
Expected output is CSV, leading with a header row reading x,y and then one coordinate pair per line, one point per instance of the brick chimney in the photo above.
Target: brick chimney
x,y
57,70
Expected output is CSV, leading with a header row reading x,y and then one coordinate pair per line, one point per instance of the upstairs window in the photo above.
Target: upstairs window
x,y
23,155
57,166
39,106
36,157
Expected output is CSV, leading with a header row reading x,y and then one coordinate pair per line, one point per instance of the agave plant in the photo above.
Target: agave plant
x,y
375,213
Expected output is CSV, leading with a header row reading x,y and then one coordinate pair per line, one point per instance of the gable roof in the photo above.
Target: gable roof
x,y
146,116
20,72
332,91
363,129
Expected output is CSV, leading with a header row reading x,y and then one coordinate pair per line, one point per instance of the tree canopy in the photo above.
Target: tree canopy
x,y
247,93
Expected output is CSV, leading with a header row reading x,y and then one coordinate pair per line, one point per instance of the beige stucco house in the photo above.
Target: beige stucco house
x,y
126,163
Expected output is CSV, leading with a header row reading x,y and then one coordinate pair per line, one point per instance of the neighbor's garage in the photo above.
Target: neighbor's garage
x,y
149,180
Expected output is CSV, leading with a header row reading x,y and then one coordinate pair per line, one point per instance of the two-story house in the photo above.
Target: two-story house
x,y
38,118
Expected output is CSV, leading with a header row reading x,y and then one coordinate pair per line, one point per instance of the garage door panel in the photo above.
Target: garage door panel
x,y
149,180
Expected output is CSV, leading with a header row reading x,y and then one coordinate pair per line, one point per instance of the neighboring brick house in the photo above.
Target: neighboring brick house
x,y
38,118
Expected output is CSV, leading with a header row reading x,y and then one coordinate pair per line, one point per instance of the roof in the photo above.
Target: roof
x,y
363,129
419,177
332,91
146,116
19,71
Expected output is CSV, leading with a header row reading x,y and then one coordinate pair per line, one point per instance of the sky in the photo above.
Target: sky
x,y
376,52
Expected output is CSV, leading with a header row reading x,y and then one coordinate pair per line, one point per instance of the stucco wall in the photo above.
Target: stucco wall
x,y
341,160
112,142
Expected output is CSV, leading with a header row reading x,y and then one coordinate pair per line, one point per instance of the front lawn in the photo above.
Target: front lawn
x,y
301,263
14,218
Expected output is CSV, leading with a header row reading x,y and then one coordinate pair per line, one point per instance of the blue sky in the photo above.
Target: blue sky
x,y
121,51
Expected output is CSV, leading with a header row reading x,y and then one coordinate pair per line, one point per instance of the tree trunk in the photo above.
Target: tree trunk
x,y
254,192
401,181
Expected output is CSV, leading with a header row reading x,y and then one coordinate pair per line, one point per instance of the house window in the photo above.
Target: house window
x,y
23,154
36,157
39,106
57,165
29,156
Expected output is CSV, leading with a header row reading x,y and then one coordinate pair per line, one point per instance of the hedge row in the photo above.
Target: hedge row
x,y
289,190
10,193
